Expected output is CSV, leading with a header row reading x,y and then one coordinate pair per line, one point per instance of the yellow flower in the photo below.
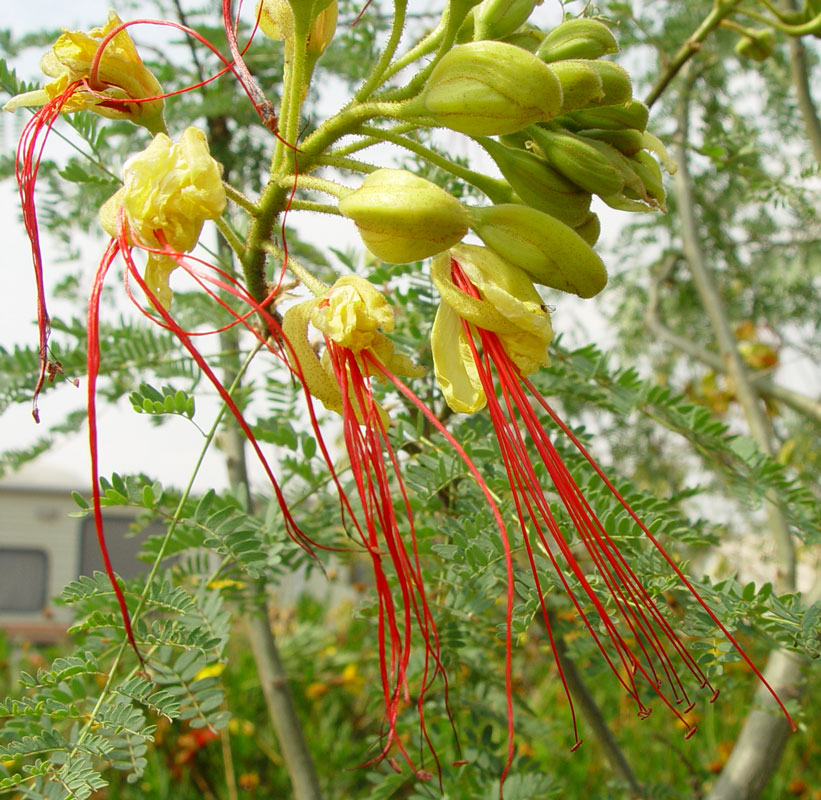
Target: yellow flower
x,y
121,75
508,305
172,188
349,315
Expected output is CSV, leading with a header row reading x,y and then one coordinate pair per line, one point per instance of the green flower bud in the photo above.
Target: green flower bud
x,y
632,114
488,89
528,37
578,38
590,229
756,44
495,19
402,217
581,84
552,253
582,161
628,140
616,84
539,185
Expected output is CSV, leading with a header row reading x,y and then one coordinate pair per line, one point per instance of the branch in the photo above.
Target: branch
x,y
801,84
716,311
763,385
759,746
722,9
593,717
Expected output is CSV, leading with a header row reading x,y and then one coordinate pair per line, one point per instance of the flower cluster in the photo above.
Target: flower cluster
x,y
561,124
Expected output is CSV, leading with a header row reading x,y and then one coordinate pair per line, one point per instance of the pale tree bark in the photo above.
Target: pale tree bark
x,y
765,731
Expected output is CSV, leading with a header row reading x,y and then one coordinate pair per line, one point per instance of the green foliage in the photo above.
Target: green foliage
x,y
77,718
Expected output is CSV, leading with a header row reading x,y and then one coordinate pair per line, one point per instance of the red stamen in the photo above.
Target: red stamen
x,y
636,609
27,164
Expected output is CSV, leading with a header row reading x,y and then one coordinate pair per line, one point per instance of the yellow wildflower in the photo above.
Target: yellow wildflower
x,y
120,75
171,188
508,305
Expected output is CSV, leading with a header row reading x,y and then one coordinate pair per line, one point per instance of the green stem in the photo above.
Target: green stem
x,y
340,162
92,717
316,184
375,79
238,198
230,236
494,188
807,29
313,284
721,10
361,144
310,205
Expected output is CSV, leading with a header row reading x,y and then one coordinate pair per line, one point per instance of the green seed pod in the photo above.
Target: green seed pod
x,y
578,38
495,19
402,217
633,114
581,84
539,185
552,253
488,89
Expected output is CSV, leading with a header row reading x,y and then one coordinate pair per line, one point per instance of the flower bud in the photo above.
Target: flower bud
x,y
616,84
590,229
578,38
495,19
552,253
580,82
756,44
402,217
488,89
121,75
323,30
539,185
632,114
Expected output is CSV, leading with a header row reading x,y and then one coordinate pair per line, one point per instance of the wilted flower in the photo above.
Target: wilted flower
x,y
102,82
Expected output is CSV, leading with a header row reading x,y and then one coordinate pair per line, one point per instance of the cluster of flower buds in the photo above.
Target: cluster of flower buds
x,y
566,126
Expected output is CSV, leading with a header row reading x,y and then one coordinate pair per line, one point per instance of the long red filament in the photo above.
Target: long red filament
x,y
636,612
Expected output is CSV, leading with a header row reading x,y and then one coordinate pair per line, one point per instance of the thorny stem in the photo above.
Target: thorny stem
x,y
721,10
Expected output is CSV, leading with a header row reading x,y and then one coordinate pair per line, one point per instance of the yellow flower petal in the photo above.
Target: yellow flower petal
x,y
453,363
121,75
